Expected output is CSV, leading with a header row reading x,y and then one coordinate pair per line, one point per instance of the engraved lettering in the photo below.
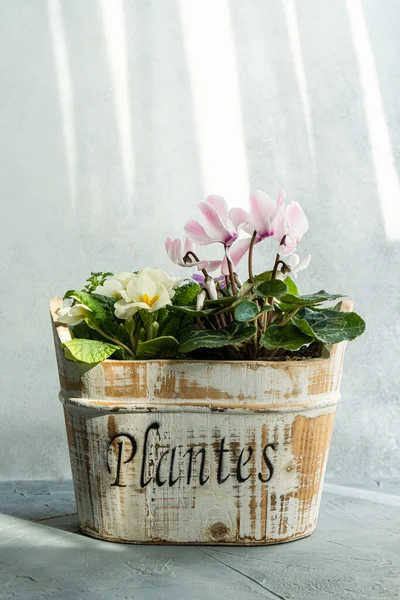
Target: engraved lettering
x,y
119,460
268,463
158,480
202,479
172,481
241,464
156,427
221,451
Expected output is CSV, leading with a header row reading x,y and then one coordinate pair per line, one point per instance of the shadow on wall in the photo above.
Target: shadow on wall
x,y
117,120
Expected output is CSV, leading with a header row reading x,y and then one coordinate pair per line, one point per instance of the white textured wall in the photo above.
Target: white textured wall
x,y
115,118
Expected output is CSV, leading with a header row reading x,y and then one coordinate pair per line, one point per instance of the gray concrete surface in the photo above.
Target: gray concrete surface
x,y
353,555
117,117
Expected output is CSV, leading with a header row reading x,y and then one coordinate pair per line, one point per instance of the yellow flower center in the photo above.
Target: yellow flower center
x,y
149,301
117,295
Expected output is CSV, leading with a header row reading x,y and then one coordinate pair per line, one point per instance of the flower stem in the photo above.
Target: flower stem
x,y
277,260
289,316
150,329
132,338
210,323
275,269
189,254
250,260
255,343
200,324
273,276
231,275
222,319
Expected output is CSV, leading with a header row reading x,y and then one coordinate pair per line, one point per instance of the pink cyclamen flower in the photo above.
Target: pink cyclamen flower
x,y
220,224
177,253
266,216
271,218
296,225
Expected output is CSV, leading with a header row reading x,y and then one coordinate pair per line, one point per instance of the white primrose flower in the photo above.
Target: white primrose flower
x,y
114,284
142,293
160,276
72,315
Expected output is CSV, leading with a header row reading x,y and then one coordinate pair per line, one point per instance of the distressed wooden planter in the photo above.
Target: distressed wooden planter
x,y
197,452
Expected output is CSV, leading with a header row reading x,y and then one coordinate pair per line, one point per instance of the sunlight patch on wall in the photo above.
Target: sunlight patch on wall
x,y
114,28
211,61
65,91
298,62
381,148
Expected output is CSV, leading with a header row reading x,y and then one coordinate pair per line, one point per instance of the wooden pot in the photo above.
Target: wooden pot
x,y
199,452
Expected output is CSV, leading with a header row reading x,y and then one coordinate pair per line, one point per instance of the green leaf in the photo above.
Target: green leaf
x,y
190,310
102,309
88,351
226,300
233,334
292,289
171,324
291,286
161,347
265,276
287,337
185,295
330,326
266,308
310,299
245,311
162,314
274,289
84,331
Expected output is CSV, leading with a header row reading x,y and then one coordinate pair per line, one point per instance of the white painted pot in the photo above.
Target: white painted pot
x,y
199,452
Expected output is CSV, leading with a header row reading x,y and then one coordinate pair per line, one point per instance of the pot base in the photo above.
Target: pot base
x,y
106,538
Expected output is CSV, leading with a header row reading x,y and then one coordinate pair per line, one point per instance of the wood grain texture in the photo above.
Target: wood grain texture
x,y
201,452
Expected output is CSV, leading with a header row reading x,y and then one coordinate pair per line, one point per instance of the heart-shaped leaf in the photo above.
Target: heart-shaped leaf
x,y
272,289
245,311
266,308
191,310
309,299
265,276
233,334
226,300
287,337
291,286
330,326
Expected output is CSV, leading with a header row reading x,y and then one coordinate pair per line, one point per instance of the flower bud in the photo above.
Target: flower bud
x,y
201,296
238,281
209,285
246,287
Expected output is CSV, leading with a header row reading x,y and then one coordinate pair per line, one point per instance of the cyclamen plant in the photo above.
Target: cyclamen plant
x,y
148,314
